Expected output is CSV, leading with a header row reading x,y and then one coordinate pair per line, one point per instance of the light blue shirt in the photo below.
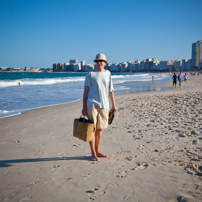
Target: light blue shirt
x,y
100,84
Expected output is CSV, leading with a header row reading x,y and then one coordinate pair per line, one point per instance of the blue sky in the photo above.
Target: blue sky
x,y
38,33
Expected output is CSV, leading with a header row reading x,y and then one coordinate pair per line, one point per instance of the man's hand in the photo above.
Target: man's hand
x,y
84,111
114,108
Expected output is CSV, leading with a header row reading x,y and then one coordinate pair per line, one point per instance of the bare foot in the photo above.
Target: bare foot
x,y
94,158
101,155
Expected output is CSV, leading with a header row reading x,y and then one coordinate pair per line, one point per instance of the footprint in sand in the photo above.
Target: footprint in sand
x,y
150,142
136,138
95,193
140,166
195,132
55,166
92,190
18,142
141,147
194,169
62,154
183,199
76,145
126,198
195,142
35,182
26,198
181,135
86,175
92,198
130,158
122,174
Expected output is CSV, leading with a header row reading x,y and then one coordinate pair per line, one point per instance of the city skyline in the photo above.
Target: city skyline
x,y
149,64
39,33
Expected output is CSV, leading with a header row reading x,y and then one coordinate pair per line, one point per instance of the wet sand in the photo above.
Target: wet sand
x,y
154,147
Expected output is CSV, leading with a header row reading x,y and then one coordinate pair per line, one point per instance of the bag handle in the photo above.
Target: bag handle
x,y
83,124
86,115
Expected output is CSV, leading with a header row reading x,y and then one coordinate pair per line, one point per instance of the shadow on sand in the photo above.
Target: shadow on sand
x,y
7,163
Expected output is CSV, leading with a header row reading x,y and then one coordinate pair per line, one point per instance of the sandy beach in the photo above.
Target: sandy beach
x,y
154,147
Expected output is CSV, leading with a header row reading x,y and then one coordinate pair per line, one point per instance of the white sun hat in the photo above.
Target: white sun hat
x,y
100,56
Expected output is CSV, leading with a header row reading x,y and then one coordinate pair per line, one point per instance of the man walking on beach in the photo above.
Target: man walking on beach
x,y
98,88
180,79
174,80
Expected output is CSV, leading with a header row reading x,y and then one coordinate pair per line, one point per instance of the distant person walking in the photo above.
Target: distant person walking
x,y
185,77
174,80
180,79
97,91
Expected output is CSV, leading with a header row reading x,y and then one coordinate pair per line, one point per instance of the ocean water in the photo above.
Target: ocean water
x,y
45,89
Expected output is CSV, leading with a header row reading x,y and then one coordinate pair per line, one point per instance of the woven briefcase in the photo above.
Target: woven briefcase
x,y
83,129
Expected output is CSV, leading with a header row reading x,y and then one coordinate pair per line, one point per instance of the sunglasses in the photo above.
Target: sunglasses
x,y
99,60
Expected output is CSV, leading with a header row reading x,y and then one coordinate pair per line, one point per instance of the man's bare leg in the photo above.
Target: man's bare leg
x,y
98,136
92,146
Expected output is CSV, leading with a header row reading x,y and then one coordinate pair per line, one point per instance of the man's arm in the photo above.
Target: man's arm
x,y
85,95
111,95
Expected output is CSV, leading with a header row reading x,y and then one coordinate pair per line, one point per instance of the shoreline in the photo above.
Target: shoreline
x,y
153,144
39,108
145,87
163,85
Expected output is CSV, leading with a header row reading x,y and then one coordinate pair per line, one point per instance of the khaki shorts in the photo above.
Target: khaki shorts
x,y
98,116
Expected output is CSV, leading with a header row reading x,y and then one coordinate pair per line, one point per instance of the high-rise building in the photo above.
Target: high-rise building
x,y
60,66
54,66
137,65
66,65
188,64
178,65
82,63
197,53
73,62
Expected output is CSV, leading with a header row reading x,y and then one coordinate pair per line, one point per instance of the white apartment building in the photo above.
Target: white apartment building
x,y
26,69
188,64
131,66
82,65
35,69
16,68
73,62
113,67
123,67
137,65
66,65
89,67
156,65
76,67
183,64
148,65
163,65
142,65
178,65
